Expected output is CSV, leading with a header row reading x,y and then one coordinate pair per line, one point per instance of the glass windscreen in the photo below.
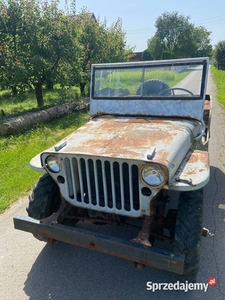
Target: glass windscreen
x,y
162,81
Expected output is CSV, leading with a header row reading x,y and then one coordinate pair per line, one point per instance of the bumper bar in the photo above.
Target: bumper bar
x,y
138,253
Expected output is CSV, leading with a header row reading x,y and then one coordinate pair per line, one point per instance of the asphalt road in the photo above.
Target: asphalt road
x,y
30,269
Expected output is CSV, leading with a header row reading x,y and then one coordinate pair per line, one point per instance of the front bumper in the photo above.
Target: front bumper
x,y
138,253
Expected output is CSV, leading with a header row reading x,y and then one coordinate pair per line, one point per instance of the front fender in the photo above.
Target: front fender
x,y
192,174
35,164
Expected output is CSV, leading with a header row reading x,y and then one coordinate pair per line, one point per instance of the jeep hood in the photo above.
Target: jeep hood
x,y
140,139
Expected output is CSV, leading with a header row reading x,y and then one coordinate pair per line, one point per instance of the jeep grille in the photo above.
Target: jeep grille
x,y
103,185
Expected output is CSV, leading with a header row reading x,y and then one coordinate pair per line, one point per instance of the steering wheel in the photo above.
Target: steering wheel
x,y
176,89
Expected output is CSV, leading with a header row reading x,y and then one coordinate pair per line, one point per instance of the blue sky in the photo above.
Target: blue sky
x,y
139,16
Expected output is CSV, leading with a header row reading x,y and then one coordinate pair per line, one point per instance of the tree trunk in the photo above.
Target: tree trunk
x,y
82,86
39,94
21,123
14,89
49,84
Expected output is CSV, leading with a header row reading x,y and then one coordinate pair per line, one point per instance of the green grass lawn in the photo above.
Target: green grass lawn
x,y
24,102
219,79
16,176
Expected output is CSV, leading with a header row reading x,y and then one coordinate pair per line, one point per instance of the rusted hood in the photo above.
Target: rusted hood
x,y
164,141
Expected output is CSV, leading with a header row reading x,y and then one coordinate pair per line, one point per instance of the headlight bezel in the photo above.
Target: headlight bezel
x,y
54,166
154,175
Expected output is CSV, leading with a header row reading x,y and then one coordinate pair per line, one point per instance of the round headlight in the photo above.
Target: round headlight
x,y
53,164
153,175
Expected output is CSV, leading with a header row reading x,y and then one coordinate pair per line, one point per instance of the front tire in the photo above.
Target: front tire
x,y
45,198
188,231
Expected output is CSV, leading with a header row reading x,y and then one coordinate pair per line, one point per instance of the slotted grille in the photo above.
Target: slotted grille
x,y
104,185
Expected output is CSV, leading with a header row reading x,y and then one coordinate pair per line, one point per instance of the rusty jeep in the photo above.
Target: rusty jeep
x,y
140,161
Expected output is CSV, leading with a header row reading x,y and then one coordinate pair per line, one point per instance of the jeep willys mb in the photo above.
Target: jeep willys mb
x,y
147,135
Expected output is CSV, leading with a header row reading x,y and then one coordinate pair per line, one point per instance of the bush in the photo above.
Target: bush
x,y
68,95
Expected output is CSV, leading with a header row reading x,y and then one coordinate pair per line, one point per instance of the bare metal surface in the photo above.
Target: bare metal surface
x,y
190,108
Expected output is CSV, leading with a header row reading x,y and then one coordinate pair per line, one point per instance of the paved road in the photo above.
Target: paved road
x,y
29,269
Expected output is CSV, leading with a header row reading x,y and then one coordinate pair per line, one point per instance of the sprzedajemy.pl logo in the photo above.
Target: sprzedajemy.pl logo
x,y
181,286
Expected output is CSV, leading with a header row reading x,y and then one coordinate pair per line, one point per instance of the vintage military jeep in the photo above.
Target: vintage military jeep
x,y
147,135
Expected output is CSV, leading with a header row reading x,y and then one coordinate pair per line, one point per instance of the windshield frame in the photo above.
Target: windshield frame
x,y
143,65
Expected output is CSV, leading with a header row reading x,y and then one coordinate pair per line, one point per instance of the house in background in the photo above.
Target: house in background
x,y
91,16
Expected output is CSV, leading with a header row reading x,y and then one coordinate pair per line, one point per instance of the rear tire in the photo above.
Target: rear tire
x,y
188,231
45,198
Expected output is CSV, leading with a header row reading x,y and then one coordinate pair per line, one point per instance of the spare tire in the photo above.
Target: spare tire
x,y
153,87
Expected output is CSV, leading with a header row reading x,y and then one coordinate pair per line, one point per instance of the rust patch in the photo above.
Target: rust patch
x,y
127,138
194,169
199,156
207,105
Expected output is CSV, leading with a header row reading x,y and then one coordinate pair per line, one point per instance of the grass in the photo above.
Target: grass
x,y
24,102
16,177
219,79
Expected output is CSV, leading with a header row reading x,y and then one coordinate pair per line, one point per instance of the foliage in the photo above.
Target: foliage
x,y
43,45
219,55
101,44
38,40
16,175
68,95
177,37
155,47
219,78
167,55
146,55
201,41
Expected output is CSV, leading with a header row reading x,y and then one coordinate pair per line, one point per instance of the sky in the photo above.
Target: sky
x,y
139,16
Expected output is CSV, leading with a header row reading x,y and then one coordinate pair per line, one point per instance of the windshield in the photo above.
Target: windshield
x,y
180,80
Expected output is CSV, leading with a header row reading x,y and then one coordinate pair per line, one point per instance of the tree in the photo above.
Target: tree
x,y
155,47
41,44
39,41
201,41
146,55
115,49
100,43
177,37
10,24
219,55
